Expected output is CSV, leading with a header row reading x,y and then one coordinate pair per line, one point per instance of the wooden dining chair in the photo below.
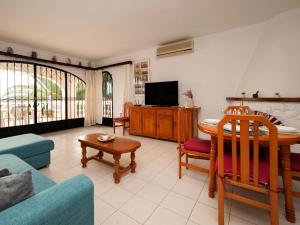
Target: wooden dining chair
x,y
190,147
295,168
238,110
245,167
123,120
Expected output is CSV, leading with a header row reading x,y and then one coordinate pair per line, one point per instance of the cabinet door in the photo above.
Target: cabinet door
x,y
175,131
149,122
165,123
135,121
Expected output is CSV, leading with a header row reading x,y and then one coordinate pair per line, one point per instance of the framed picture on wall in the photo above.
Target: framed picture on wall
x,y
141,76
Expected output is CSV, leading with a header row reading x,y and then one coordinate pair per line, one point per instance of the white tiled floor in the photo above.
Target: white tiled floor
x,y
153,195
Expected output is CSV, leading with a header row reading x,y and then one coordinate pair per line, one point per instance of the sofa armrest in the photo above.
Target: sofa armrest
x,y
68,203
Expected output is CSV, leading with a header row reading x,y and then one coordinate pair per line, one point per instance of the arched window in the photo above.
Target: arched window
x,y
33,94
107,98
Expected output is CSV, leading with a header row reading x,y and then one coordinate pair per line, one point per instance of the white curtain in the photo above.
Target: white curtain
x,y
128,83
93,97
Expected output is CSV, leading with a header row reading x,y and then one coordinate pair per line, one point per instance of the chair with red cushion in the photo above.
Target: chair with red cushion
x,y
123,120
295,167
190,147
244,166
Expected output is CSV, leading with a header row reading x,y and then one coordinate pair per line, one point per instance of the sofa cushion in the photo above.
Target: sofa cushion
x,y
16,165
15,188
25,145
4,172
264,169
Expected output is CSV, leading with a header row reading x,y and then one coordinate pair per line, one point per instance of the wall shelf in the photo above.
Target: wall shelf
x,y
272,99
62,63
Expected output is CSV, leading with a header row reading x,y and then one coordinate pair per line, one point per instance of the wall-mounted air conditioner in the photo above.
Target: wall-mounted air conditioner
x,y
177,48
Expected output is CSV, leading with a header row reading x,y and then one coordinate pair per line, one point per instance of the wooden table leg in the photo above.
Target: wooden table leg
x,y
212,168
132,164
288,183
83,159
117,174
100,155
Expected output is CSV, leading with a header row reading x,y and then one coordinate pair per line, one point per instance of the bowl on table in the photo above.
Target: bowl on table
x,y
105,137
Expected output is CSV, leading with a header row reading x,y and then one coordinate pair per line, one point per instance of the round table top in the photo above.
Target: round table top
x,y
283,139
116,146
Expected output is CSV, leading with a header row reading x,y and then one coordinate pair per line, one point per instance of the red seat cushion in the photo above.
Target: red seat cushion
x,y
263,174
295,162
124,118
197,145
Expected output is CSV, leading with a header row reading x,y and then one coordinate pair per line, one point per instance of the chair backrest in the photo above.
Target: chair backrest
x,y
182,128
270,117
248,151
127,106
238,110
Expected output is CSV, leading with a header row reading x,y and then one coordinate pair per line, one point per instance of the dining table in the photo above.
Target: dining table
x,y
285,141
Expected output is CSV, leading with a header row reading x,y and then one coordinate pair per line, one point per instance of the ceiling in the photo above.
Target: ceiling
x,y
97,29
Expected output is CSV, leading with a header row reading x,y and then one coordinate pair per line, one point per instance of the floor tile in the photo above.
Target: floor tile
x,y
101,186
162,216
153,193
212,202
179,204
191,223
138,209
116,197
187,189
205,215
119,218
237,221
102,210
165,181
250,213
132,183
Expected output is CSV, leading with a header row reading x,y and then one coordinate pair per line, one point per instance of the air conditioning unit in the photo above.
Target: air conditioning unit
x,y
177,48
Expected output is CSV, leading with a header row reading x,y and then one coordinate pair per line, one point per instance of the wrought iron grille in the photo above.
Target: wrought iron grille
x,y
107,95
32,93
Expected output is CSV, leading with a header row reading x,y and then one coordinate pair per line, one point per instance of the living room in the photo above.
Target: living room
x,y
112,113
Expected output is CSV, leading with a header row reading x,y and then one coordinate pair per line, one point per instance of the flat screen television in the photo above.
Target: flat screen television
x,y
161,93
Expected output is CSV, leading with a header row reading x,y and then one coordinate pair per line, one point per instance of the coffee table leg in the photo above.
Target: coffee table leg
x,y
132,164
117,174
100,155
83,159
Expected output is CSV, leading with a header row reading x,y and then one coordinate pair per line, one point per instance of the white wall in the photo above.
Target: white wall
x,y
213,71
275,64
23,50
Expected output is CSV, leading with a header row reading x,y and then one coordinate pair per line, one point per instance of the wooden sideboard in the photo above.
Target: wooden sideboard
x,y
160,122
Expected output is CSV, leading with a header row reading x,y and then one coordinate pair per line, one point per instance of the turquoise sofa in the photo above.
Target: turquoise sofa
x,y
33,149
67,203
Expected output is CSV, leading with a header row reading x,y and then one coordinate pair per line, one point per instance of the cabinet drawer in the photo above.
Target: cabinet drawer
x,y
165,112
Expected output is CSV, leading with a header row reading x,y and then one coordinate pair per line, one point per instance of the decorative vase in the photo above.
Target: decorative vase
x,y
190,103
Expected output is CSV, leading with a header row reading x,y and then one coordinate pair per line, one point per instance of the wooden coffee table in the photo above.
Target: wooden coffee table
x,y
115,147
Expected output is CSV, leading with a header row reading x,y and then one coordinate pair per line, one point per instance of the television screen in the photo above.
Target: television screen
x,y
161,93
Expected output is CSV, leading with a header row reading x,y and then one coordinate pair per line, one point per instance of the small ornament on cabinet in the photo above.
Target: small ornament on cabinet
x,y
10,50
255,95
189,103
34,54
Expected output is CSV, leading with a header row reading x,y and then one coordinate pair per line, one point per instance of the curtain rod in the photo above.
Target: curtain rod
x,y
61,63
